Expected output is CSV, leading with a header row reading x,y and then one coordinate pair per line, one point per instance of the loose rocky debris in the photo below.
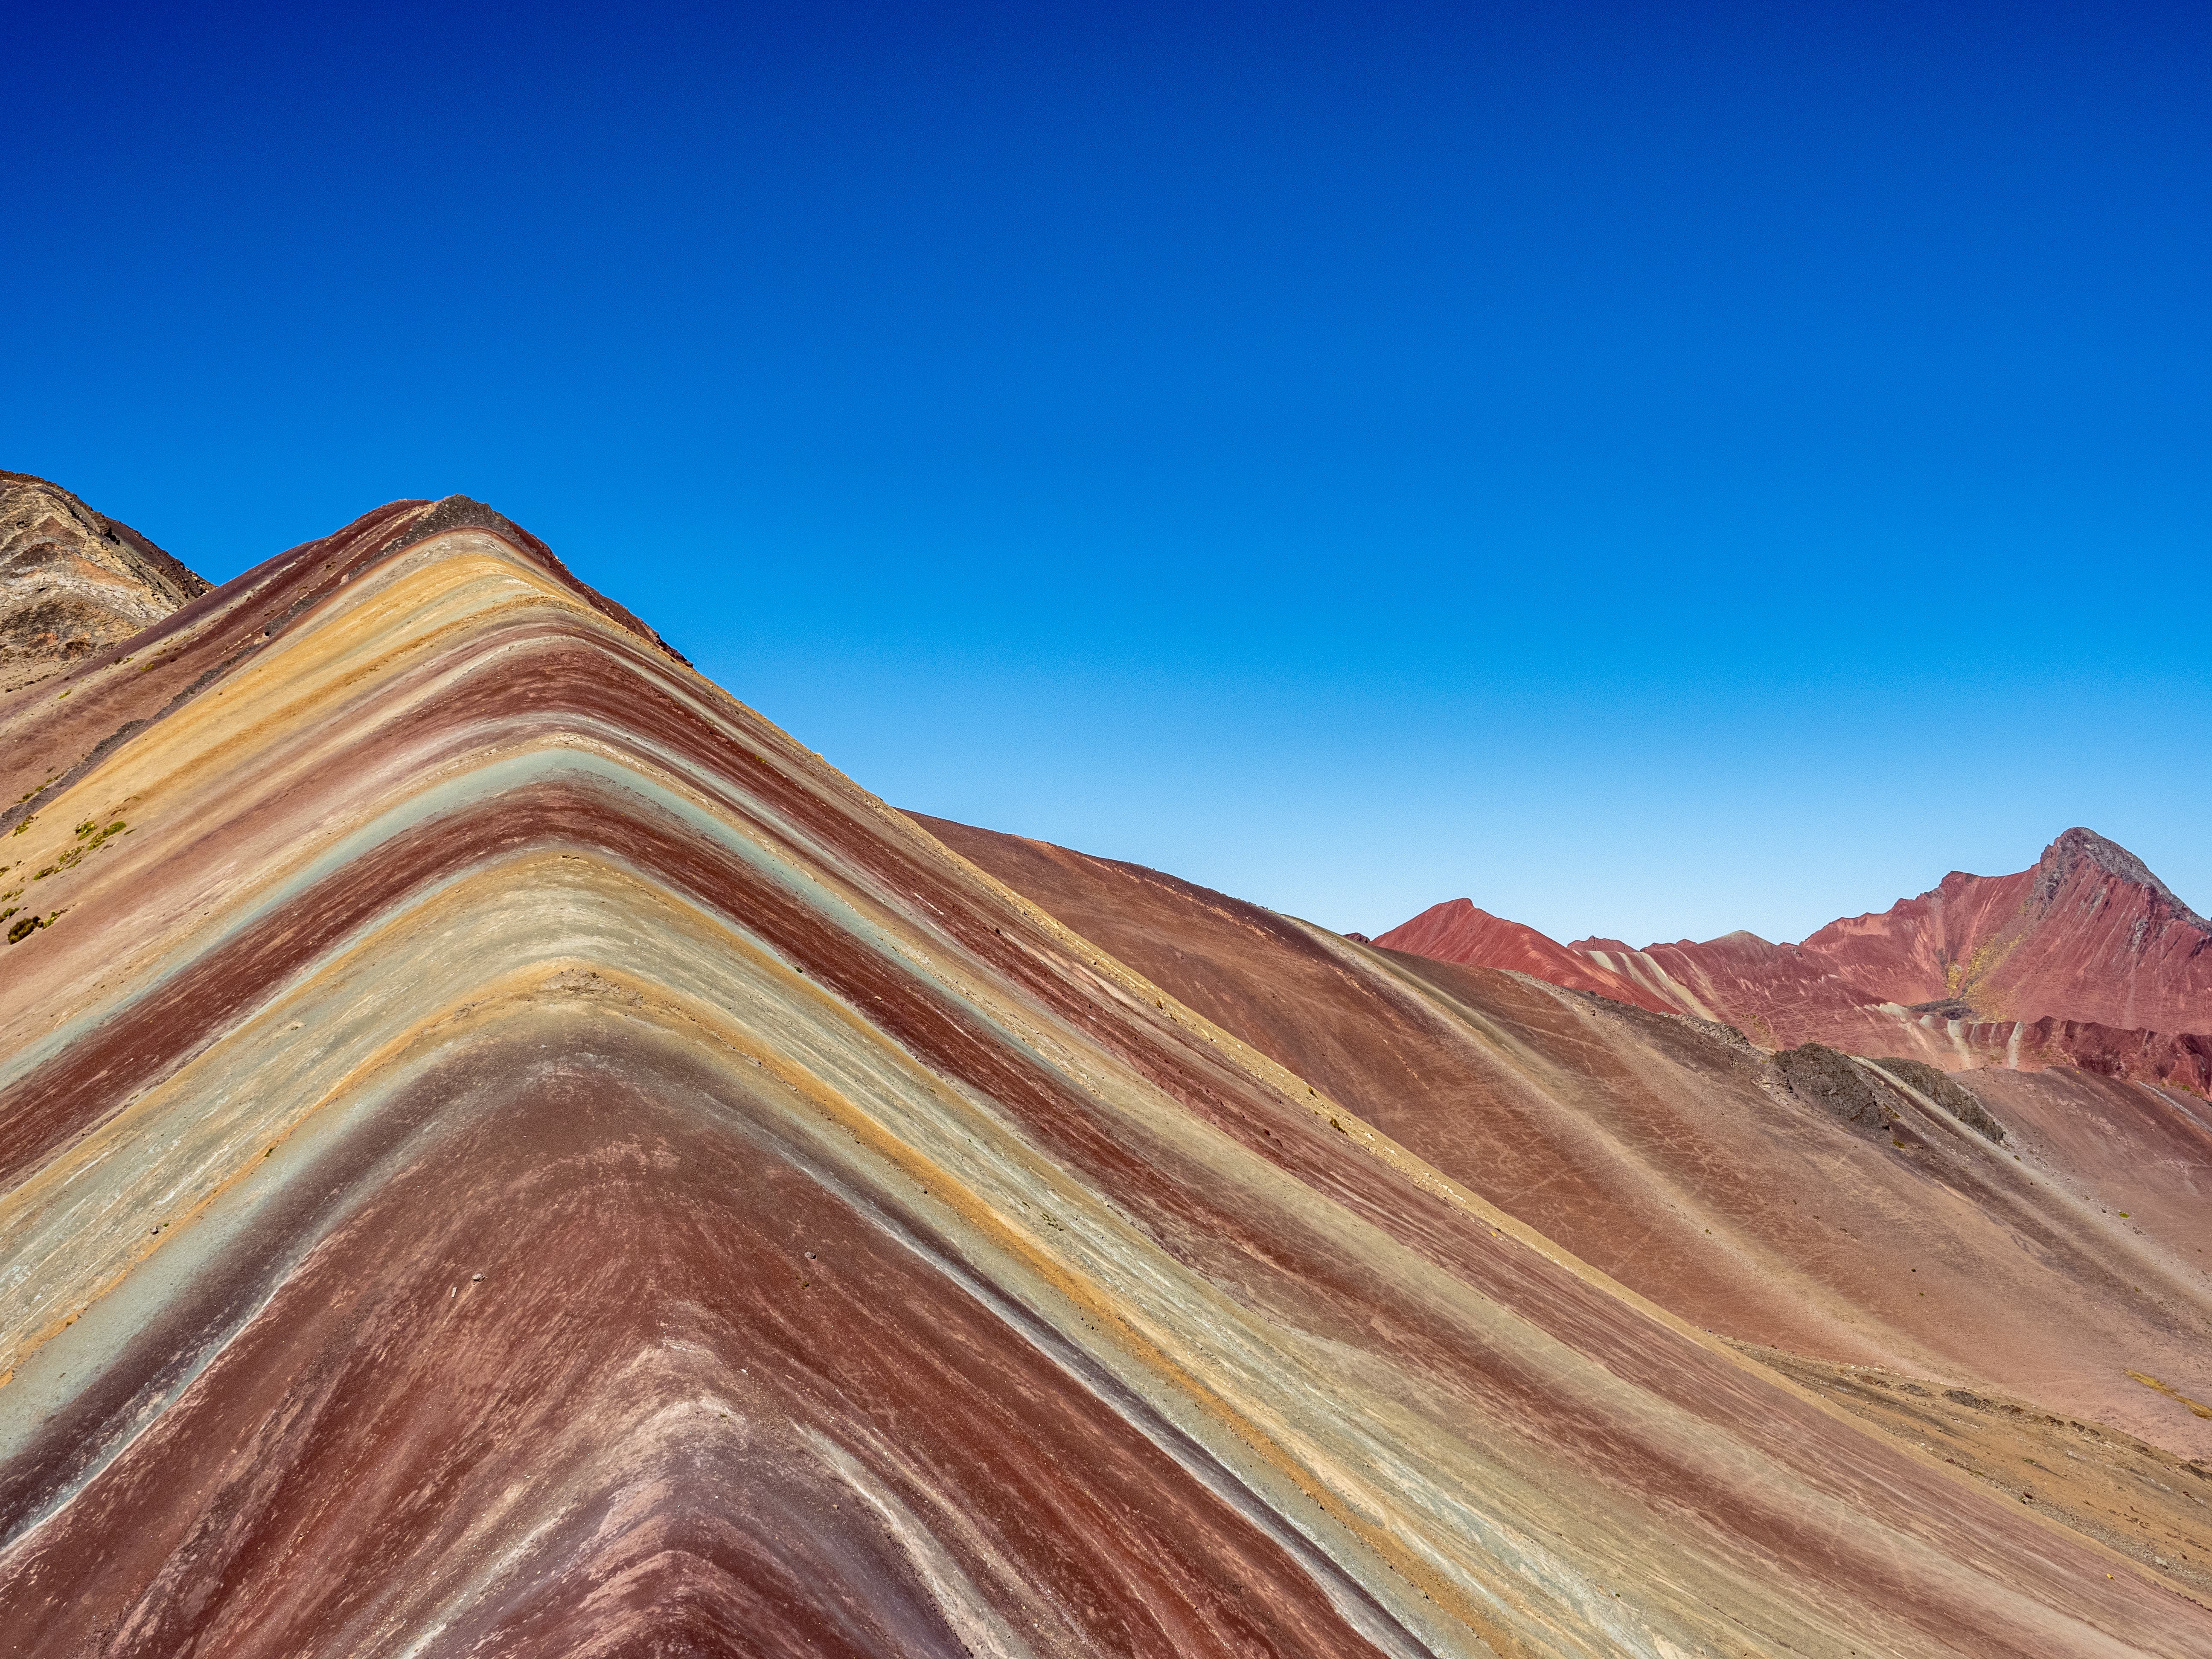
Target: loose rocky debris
x,y
1828,1078
1946,1092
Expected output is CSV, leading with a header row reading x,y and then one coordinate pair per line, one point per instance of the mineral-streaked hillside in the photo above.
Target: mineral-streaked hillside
x,y
505,1152
2085,960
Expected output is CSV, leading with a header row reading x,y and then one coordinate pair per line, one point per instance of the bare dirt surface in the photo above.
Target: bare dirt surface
x,y
2148,1503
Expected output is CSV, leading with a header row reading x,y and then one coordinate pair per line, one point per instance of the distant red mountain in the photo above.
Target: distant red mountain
x,y
2089,933
1457,931
2087,958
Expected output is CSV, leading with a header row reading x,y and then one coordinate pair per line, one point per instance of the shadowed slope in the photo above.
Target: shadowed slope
x,y
868,1263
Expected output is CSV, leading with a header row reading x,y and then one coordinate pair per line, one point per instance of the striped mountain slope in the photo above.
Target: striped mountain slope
x,y
504,1151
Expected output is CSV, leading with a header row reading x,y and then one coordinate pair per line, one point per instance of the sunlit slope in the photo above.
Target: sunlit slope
x,y
73,580
505,1152
2061,1264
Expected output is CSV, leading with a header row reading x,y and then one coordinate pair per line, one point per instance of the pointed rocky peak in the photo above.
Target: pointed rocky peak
x,y
2065,858
73,580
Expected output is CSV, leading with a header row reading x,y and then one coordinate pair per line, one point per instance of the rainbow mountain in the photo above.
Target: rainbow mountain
x,y
504,1152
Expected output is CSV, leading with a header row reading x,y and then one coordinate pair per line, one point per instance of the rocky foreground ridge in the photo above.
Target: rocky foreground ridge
x,y
502,1150
2086,959
72,580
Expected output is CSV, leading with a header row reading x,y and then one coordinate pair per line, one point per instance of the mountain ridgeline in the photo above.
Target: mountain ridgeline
x,y
2085,960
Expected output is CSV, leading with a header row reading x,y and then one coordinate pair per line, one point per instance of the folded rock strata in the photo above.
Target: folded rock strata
x,y
504,1151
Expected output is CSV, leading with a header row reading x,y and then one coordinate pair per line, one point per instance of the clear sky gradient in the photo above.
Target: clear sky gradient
x,y
1652,468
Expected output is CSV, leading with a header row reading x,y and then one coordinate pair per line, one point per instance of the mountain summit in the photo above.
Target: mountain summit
x,y
2086,933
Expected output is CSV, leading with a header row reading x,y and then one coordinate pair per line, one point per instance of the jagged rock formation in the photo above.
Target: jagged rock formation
x,y
1822,1077
504,1151
72,581
2086,959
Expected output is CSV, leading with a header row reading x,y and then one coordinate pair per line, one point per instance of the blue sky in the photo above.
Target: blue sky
x,y
1651,469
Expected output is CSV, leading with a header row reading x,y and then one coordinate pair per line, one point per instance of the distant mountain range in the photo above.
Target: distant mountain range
x,y
2085,959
